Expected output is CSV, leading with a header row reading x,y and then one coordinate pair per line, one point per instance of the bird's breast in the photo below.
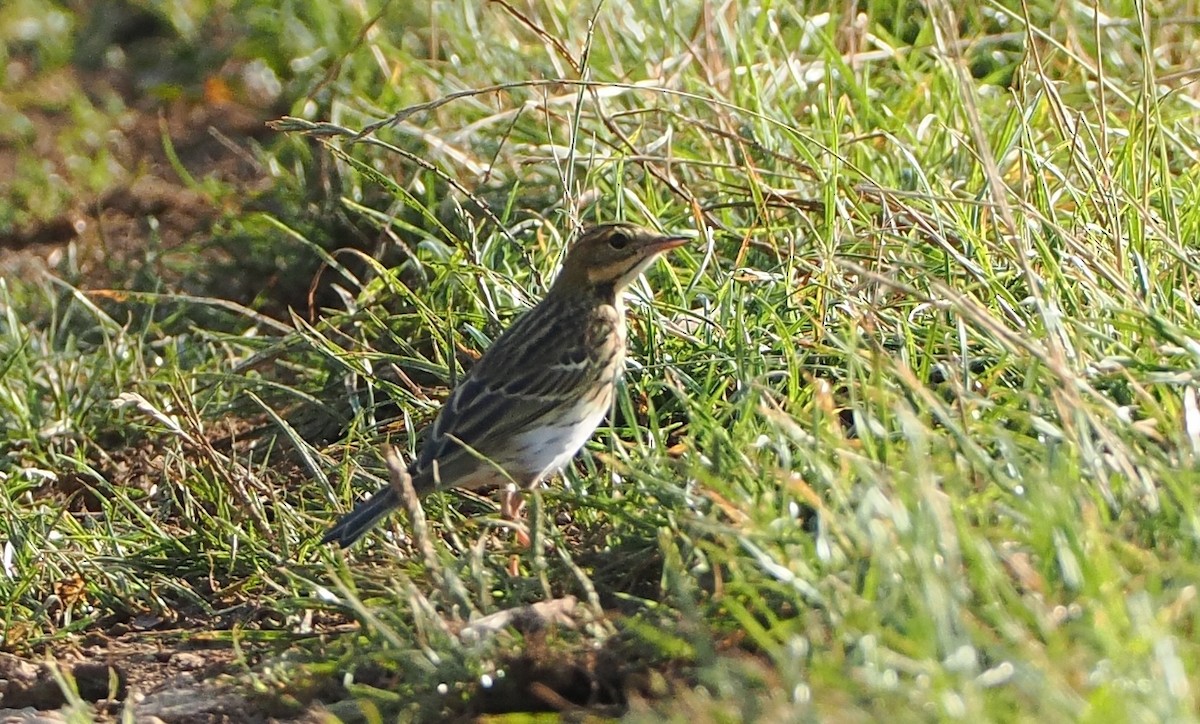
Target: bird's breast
x,y
547,448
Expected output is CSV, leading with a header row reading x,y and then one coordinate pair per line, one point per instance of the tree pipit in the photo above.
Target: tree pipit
x,y
538,393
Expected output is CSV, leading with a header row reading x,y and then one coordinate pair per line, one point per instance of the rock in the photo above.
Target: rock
x,y
29,715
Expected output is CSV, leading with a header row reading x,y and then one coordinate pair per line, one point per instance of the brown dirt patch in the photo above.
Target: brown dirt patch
x,y
162,678
149,208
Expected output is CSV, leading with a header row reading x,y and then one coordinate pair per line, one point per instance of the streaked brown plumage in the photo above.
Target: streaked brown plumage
x,y
539,392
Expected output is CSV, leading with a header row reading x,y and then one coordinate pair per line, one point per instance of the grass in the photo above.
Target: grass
x,y
911,432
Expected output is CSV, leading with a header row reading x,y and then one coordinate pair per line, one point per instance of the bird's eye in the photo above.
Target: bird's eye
x,y
618,241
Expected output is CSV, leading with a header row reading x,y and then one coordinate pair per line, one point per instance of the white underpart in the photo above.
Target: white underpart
x,y
555,445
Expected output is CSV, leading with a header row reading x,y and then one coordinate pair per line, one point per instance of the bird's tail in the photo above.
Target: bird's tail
x,y
366,514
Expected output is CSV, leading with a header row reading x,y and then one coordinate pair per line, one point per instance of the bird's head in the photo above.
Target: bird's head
x,y
610,256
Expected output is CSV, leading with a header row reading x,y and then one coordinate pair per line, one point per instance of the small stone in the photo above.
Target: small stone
x,y
29,715
188,661
98,681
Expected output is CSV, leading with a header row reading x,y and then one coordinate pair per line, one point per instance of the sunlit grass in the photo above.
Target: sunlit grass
x,y
910,431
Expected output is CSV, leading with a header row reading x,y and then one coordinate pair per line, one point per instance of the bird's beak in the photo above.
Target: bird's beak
x,y
659,244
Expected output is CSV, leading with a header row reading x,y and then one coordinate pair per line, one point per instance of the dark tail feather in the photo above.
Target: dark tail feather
x,y
366,514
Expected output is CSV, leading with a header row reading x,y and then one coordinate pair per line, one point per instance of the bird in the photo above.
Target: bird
x,y
535,397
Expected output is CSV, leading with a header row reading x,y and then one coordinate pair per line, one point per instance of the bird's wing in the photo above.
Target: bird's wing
x,y
543,363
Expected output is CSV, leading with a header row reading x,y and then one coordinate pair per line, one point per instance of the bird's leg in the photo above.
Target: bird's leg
x,y
512,504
